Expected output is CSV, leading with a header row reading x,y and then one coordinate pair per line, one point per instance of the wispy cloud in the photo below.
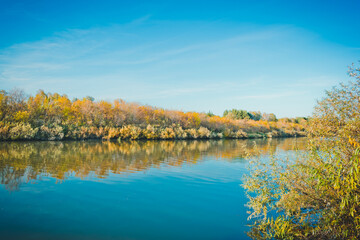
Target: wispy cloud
x,y
271,96
316,81
211,89
170,61
140,20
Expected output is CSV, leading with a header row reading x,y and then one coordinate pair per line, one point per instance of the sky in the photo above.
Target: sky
x,y
270,56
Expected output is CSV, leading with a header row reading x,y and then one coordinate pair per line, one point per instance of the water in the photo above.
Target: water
x,y
130,190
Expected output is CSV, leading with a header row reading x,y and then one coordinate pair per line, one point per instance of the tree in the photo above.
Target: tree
x,y
90,98
315,196
210,114
269,117
255,115
236,114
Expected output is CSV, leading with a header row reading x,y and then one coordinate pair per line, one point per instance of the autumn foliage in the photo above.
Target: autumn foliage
x,y
47,116
315,195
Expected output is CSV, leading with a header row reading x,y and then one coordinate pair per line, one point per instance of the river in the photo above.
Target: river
x,y
129,190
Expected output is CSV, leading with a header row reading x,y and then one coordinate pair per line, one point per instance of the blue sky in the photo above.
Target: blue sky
x,y
272,56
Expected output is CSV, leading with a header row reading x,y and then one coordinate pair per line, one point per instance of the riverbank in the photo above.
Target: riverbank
x,y
23,131
47,116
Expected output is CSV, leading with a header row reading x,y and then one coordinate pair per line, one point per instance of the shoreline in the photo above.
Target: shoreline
x,y
146,140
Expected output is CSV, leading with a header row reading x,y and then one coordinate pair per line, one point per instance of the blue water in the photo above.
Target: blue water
x,y
94,190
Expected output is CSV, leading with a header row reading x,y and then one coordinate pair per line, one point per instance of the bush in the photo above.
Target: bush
x,y
167,133
21,131
130,132
4,132
204,132
180,132
150,132
192,133
316,196
51,133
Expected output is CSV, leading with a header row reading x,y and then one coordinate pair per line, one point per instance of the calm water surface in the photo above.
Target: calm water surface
x,y
129,190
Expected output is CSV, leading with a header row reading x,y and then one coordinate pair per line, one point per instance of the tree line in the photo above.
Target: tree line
x,y
52,116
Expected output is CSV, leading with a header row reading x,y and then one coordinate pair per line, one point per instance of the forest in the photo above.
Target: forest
x,y
52,116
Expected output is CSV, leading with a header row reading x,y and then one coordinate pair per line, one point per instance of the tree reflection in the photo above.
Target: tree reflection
x,y
21,162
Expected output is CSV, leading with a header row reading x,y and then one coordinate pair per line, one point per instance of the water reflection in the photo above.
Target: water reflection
x,y
21,162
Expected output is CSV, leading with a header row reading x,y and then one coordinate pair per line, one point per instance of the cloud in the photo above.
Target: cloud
x,y
316,81
271,96
161,62
212,89
115,46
